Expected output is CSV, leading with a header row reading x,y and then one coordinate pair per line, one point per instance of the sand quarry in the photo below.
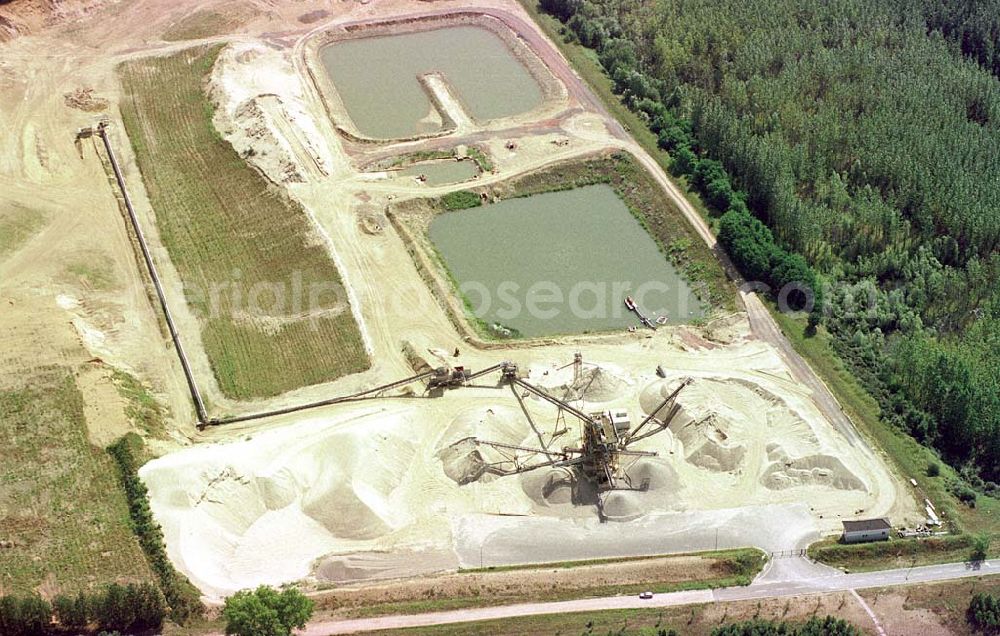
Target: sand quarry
x,y
381,489
385,488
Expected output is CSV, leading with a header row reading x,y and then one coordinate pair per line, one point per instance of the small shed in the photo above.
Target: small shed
x,y
864,530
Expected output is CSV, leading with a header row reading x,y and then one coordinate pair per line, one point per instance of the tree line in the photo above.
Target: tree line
x,y
816,626
136,607
849,146
182,598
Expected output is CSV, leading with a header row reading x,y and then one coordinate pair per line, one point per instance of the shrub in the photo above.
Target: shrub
x,y
963,492
933,469
707,171
684,161
826,626
27,616
984,613
182,597
461,200
562,9
72,612
980,547
132,608
674,136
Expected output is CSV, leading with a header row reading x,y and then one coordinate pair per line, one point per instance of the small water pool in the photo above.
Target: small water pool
x,y
560,263
443,171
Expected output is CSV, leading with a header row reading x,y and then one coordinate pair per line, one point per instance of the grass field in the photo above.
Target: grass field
x,y
235,239
718,555
60,503
896,553
146,413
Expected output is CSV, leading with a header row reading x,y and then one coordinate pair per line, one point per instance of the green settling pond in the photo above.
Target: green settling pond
x,y
377,78
443,171
560,263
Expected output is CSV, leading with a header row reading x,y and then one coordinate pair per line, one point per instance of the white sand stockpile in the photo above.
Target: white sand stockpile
x,y
263,510
736,433
227,509
594,384
462,459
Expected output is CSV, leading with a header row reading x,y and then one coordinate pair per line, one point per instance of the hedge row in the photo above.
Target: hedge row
x,y
130,608
182,597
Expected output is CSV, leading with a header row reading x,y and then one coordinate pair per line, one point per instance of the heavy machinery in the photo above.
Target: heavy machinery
x,y
602,455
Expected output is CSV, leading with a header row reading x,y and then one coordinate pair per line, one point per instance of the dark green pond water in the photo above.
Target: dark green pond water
x,y
376,78
560,263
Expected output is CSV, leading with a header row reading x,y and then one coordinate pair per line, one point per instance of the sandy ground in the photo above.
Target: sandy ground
x,y
359,491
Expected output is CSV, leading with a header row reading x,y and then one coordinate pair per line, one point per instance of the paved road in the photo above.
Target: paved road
x,y
825,580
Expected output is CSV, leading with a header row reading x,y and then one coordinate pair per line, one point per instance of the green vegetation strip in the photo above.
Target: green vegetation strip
x,y
670,621
64,521
735,556
460,200
233,237
731,568
134,608
202,24
421,155
182,597
142,408
892,554
481,159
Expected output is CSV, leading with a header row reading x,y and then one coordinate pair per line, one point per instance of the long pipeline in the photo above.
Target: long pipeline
x,y
171,327
218,421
